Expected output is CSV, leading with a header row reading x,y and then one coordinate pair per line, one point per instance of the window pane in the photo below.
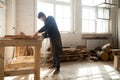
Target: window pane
x,y
91,13
67,25
88,2
96,2
91,26
99,26
103,13
100,13
102,26
59,11
85,26
105,26
63,17
39,24
47,8
64,0
85,14
67,12
106,13
63,24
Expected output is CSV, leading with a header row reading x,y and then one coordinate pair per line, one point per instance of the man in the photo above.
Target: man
x,y
50,30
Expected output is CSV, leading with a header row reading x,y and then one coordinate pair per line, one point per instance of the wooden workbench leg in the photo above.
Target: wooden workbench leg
x,y
116,62
1,63
37,63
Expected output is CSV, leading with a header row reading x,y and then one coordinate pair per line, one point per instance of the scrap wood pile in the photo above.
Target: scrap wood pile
x,y
71,54
103,53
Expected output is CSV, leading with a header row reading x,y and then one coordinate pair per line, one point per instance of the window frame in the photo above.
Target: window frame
x,y
96,19
103,13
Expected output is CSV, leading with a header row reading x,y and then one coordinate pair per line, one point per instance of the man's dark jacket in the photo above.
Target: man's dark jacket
x,y
51,30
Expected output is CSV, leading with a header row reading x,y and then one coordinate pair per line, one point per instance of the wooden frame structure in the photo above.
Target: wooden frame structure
x,y
20,42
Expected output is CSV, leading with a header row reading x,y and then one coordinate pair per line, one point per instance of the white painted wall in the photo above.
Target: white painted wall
x,y
25,10
2,21
10,27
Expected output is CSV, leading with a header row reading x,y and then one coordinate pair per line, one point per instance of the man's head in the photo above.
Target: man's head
x,y
41,16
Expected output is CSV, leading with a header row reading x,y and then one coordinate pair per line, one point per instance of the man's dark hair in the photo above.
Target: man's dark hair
x,y
41,14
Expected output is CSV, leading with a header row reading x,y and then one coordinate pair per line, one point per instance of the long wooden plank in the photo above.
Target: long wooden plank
x,y
1,62
20,42
37,63
18,72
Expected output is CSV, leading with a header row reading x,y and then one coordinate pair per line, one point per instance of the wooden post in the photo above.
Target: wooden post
x,y
116,62
17,51
37,63
1,62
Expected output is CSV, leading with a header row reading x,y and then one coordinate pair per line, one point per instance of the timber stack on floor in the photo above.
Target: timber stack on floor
x,y
71,54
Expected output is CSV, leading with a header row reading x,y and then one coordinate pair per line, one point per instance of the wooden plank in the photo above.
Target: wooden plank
x,y
18,72
37,63
1,62
22,36
23,59
18,66
16,54
116,62
20,42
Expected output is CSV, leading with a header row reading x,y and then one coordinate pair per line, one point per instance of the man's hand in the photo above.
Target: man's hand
x,y
35,35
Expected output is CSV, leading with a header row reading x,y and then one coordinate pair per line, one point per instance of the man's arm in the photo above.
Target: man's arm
x,y
42,29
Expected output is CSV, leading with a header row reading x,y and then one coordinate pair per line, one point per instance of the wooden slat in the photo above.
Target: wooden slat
x,y
18,66
1,62
116,62
37,63
18,72
23,59
16,54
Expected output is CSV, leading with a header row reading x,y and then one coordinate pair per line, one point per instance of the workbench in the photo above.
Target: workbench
x,y
4,42
116,53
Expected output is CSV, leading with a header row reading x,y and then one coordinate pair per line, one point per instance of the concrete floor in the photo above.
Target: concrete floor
x,y
78,70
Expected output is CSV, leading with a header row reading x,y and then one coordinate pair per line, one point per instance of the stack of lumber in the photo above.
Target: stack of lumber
x,y
78,53
72,54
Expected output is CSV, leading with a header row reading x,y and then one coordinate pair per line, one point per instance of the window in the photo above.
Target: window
x,y
60,9
94,19
103,13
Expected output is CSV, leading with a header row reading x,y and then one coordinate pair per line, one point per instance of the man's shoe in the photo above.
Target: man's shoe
x,y
57,71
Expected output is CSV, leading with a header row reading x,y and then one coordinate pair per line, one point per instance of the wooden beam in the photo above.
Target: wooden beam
x,y
37,63
18,72
1,62
17,42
